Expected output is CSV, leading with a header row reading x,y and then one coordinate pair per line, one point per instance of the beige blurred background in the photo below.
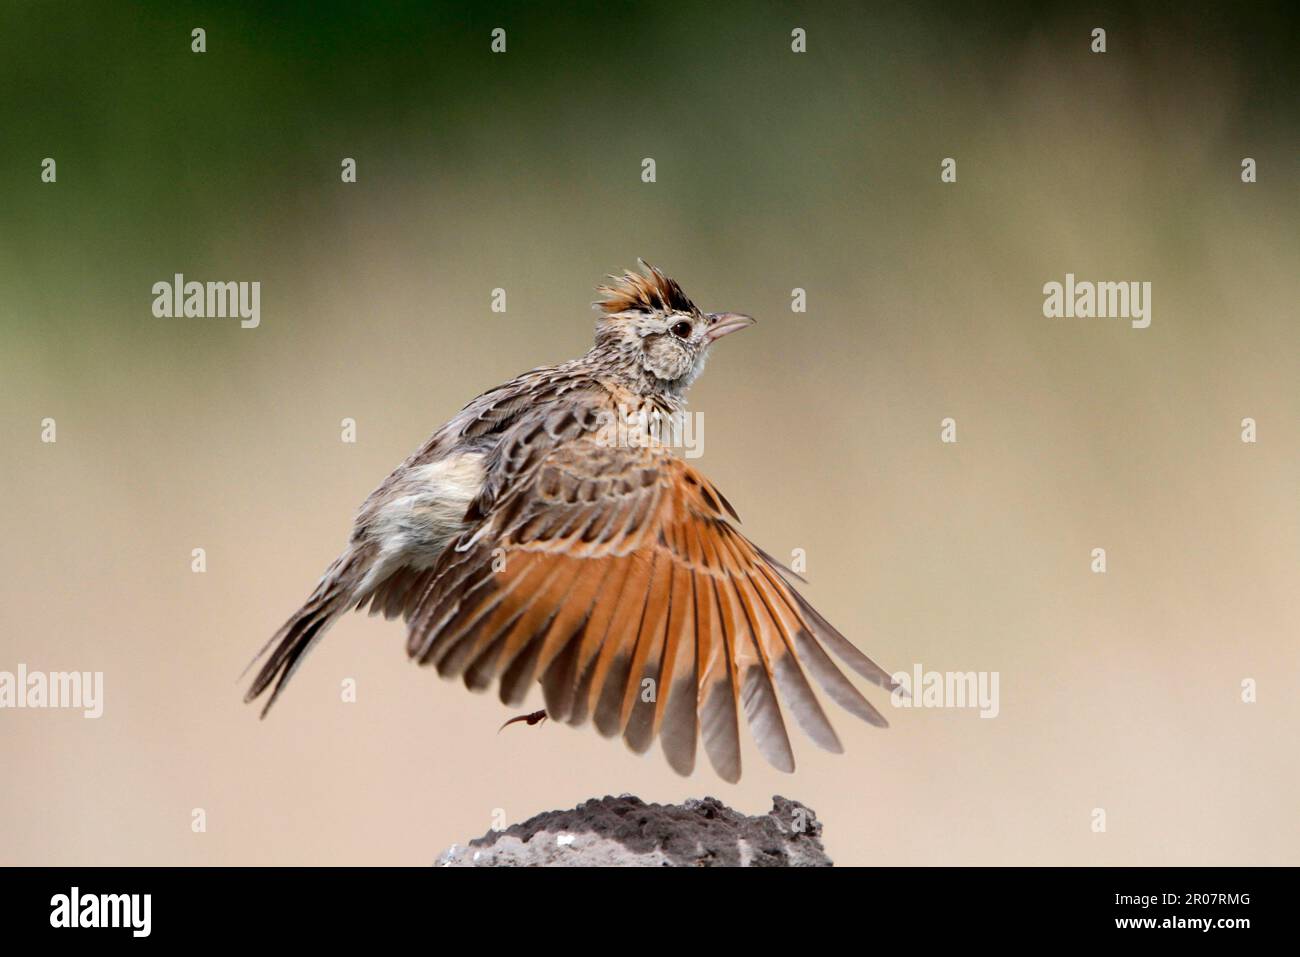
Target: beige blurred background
x,y
775,170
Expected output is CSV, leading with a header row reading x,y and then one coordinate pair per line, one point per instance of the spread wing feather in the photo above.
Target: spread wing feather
x,y
614,577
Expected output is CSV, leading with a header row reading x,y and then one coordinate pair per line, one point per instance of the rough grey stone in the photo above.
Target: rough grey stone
x,y
624,831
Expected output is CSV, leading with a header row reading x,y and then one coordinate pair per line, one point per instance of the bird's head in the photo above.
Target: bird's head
x,y
652,332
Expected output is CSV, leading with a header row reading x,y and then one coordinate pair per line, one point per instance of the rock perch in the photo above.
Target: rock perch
x,y
624,831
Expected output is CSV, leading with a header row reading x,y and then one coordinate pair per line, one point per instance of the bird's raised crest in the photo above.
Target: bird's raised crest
x,y
637,292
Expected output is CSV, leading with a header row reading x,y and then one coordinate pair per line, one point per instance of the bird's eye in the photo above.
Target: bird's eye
x,y
681,330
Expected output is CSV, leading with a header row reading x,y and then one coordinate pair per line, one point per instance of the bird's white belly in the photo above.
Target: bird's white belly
x,y
424,514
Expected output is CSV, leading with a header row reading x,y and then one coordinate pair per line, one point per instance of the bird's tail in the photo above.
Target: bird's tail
x,y
297,635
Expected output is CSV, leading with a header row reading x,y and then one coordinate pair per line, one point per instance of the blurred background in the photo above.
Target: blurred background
x,y
775,170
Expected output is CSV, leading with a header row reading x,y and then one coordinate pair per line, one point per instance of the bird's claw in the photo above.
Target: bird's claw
x,y
537,717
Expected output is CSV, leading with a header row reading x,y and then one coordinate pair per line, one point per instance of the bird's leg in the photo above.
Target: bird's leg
x,y
537,717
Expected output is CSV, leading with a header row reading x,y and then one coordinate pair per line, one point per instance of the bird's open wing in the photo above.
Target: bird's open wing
x,y
614,577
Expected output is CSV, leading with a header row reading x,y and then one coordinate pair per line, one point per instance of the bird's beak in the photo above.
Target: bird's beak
x,y
725,323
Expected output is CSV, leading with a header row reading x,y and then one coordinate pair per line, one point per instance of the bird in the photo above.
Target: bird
x,y
535,538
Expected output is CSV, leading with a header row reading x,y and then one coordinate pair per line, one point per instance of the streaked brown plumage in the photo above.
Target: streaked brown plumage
x,y
524,542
